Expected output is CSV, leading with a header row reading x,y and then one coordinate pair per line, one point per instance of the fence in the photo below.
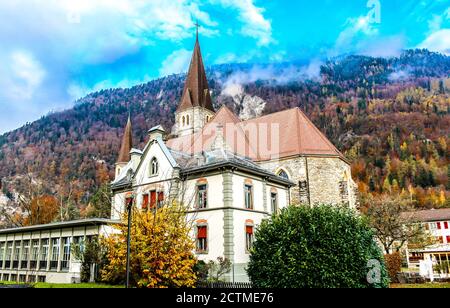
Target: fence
x,y
224,285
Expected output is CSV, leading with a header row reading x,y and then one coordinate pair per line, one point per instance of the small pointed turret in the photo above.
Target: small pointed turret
x,y
196,89
195,108
127,144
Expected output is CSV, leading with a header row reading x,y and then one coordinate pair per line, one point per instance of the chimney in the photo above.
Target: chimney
x,y
219,142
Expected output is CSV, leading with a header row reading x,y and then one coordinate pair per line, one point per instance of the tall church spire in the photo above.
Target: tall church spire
x,y
196,90
127,143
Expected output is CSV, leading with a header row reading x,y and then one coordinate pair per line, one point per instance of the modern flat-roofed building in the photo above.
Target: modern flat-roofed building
x,y
43,253
437,223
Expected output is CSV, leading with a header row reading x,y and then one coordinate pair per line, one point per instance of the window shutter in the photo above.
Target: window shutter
x,y
446,225
439,226
201,232
152,199
145,202
160,197
249,229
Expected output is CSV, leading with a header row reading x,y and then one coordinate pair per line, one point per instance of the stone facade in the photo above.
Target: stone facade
x,y
318,179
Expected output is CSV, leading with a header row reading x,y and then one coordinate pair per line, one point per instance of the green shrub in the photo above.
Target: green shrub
x,y
393,265
319,247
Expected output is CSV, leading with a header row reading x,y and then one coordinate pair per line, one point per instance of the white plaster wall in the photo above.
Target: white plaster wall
x,y
238,193
215,233
118,205
165,168
215,191
282,195
240,218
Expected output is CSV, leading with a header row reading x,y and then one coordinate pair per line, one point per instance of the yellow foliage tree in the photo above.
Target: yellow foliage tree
x,y
161,250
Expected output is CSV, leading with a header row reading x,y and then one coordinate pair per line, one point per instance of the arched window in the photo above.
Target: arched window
x,y
184,121
283,174
187,120
154,166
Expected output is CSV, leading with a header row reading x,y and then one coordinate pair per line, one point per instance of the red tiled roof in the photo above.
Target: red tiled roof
x,y
278,135
430,215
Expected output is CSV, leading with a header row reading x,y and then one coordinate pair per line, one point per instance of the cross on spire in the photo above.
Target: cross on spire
x,y
197,25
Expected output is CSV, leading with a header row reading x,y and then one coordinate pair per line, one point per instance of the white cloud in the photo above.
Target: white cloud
x,y
438,41
438,38
356,29
279,75
22,75
177,62
255,25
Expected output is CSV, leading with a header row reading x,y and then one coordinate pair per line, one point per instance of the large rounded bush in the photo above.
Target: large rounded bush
x,y
318,247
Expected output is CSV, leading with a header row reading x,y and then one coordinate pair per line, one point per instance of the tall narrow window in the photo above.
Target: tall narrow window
x,y
154,166
16,255
187,120
274,202
248,195
160,199
44,254
25,254
248,238
66,254
2,253
78,243
55,254
202,239
184,121
153,200
202,196
9,249
34,254
145,200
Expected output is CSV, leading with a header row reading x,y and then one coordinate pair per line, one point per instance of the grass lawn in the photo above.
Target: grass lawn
x,y
421,286
45,285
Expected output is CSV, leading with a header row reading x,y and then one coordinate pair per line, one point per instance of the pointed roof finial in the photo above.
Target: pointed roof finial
x,y
127,143
197,25
196,89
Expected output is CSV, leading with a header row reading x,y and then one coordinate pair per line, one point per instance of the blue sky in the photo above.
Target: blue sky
x,y
55,51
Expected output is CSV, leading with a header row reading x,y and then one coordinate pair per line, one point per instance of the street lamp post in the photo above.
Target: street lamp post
x,y
129,208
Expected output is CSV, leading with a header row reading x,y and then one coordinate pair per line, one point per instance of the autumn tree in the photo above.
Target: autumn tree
x,y
100,203
34,205
161,250
393,220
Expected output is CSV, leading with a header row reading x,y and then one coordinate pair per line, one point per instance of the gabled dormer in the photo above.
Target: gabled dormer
x,y
195,109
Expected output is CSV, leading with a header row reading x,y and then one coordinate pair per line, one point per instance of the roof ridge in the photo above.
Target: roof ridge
x,y
270,114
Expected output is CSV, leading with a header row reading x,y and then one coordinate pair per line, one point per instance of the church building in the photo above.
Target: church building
x,y
229,174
